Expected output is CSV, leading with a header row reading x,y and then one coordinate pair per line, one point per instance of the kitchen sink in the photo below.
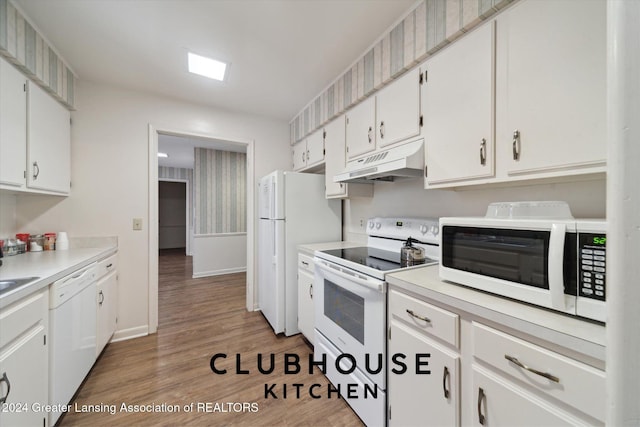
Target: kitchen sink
x,y
11,284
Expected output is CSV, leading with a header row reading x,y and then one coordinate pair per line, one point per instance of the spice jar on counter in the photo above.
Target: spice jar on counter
x,y
36,242
49,241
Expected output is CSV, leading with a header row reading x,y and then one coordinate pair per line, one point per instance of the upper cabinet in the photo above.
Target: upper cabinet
x,y
49,143
389,117
34,137
13,129
458,110
529,73
551,87
309,152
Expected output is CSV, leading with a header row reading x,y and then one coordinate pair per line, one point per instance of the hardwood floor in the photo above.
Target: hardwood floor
x,y
199,318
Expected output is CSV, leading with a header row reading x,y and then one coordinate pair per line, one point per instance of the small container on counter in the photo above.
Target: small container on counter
x,y
49,241
24,238
62,242
36,243
10,247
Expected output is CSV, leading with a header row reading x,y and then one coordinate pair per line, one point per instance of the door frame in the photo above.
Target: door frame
x,y
152,214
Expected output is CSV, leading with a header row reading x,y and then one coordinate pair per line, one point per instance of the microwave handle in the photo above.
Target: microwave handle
x,y
556,263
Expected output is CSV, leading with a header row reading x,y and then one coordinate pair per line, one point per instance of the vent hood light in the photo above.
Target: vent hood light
x,y
206,66
162,155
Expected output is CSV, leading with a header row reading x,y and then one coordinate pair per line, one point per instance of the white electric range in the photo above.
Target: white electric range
x,y
350,308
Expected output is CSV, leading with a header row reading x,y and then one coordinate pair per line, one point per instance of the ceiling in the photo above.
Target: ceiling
x,y
180,149
282,53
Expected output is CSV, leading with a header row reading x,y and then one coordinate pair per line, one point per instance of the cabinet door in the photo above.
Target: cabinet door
x,y
299,154
107,297
24,365
315,148
49,143
335,157
422,399
361,128
306,314
398,109
13,126
551,96
458,110
498,402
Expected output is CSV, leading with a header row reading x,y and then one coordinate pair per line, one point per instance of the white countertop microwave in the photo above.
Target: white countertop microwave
x,y
557,263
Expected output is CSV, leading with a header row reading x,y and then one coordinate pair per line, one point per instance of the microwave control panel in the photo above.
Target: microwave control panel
x,y
592,268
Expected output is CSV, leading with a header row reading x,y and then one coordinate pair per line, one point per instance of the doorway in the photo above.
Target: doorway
x,y
173,216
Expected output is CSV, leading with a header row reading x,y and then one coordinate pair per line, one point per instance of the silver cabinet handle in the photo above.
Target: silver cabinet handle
x,y
481,397
369,135
307,155
445,378
5,379
101,300
535,371
417,316
516,145
36,170
303,157
483,152
305,263
311,290
382,129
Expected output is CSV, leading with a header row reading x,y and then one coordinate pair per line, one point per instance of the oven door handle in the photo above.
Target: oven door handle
x,y
374,284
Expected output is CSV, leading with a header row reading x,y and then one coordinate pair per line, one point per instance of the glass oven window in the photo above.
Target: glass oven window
x,y
345,309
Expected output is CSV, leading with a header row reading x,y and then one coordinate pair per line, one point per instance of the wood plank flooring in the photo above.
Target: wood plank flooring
x,y
197,319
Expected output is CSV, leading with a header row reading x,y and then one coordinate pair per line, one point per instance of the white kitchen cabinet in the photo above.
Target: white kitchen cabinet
x,y
306,315
107,301
48,142
431,398
458,99
361,128
335,162
389,117
13,129
495,376
24,360
309,152
398,109
550,90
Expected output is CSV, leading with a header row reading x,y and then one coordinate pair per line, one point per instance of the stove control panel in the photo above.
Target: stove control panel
x,y
423,229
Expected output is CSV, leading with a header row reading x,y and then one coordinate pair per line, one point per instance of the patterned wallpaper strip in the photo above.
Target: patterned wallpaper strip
x,y
220,182
21,44
428,27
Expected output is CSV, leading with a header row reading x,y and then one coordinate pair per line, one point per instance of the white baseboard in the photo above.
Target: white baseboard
x,y
127,334
219,272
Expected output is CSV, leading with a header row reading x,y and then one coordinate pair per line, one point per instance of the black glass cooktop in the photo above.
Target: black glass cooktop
x,y
371,257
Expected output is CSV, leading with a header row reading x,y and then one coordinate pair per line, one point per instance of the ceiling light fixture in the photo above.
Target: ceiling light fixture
x,y
162,154
206,66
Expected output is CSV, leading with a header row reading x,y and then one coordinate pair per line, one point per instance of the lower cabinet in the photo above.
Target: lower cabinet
x,y
483,376
306,316
24,361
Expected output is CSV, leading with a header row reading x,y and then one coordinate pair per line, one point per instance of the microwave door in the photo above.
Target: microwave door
x,y
555,266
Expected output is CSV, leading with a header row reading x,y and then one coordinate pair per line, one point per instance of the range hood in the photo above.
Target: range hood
x,y
400,162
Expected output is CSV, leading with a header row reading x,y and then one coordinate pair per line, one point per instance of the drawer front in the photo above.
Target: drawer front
x,y
425,317
107,265
22,315
572,382
305,262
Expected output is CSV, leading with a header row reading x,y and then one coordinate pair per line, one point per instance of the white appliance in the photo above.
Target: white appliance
x,y
292,210
72,334
534,252
350,307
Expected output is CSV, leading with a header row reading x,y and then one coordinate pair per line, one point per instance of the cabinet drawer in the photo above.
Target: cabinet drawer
x,y
21,316
425,317
572,382
107,265
305,262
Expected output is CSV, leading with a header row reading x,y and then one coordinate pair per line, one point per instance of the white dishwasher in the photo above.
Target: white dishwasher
x,y
72,334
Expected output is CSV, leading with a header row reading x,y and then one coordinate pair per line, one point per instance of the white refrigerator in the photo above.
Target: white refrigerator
x,y
292,210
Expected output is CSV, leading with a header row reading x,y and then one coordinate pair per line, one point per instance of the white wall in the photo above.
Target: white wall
x,y
7,215
215,254
587,199
109,158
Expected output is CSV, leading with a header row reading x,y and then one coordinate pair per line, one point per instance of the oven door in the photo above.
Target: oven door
x,y
350,313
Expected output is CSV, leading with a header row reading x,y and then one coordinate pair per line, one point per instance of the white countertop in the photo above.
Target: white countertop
x,y
310,248
49,266
584,337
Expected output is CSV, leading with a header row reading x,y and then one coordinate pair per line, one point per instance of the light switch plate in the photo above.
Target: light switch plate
x,y
137,224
